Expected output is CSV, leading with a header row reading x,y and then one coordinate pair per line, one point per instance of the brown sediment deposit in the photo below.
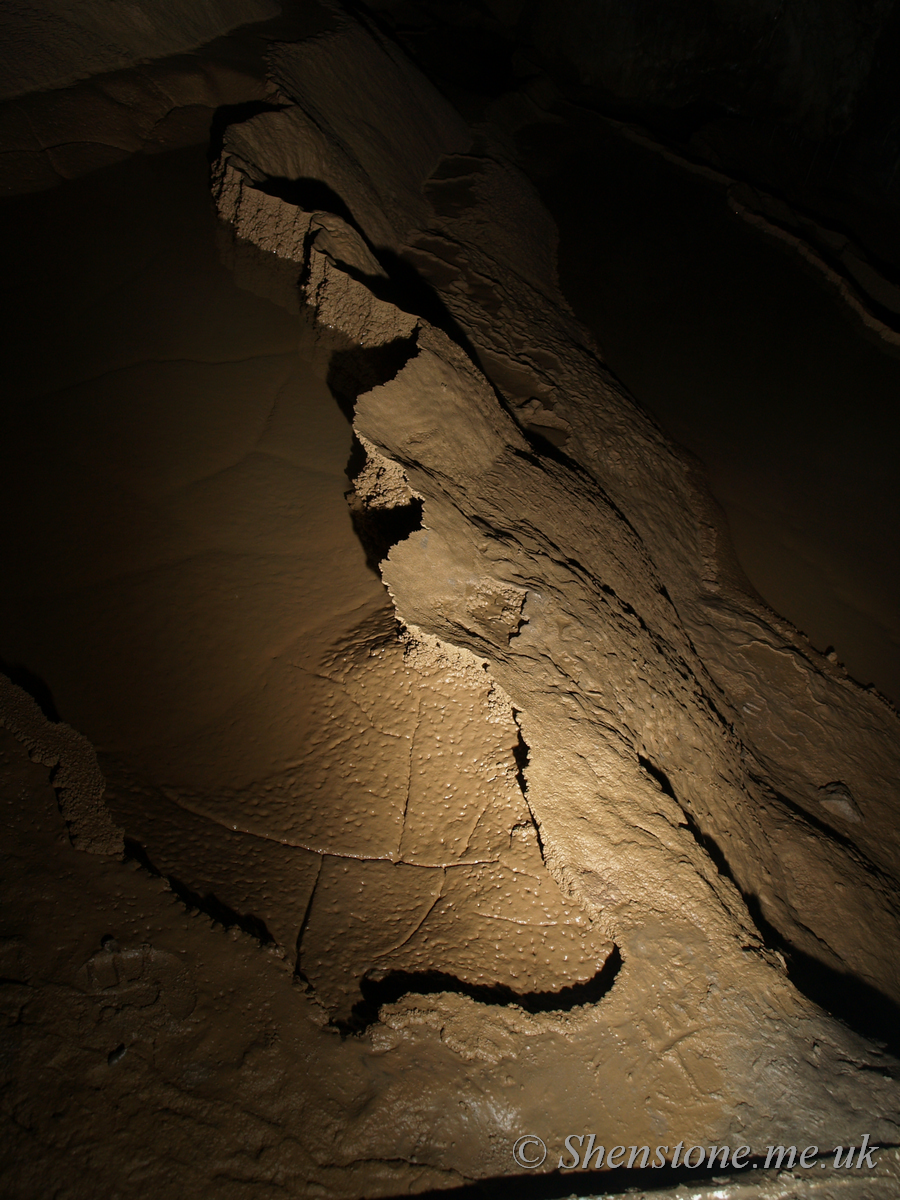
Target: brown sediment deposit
x,y
445,778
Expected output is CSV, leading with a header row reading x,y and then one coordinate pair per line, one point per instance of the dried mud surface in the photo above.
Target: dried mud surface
x,y
518,843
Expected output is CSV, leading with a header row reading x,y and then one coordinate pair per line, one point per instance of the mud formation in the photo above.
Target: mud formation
x,y
480,797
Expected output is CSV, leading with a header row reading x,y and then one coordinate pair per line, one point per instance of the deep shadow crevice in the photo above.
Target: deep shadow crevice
x,y
307,194
209,903
234,114
857,1004
388,989
357,369
521,754
380,529
707,843
402,285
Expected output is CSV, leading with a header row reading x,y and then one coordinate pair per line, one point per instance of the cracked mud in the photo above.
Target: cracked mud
x,y
465,786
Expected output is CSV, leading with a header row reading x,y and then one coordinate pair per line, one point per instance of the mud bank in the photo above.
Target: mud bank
x,y
467,788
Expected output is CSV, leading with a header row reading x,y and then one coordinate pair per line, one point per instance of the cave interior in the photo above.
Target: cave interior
x,y
450,447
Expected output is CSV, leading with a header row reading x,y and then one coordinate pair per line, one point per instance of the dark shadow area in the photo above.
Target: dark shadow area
x,y
35,687
747,361
210,904
358,369
545,447
309,195
379,529
412,292
859,1005
402,285
352,372
116,1055
703,840
476,60
458,59
882,312
396,984
234,114
299,973
521,754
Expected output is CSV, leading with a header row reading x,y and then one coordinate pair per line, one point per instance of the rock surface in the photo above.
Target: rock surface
x,y
520,846
665,712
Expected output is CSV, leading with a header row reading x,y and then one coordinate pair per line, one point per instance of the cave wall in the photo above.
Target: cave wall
x,y
548,831
681,150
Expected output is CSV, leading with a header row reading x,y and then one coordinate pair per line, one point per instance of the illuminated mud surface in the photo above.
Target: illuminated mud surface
x,y
187,583
480,800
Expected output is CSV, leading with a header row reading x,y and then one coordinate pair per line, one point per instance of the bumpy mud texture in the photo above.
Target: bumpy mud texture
x,y
541,837
682,741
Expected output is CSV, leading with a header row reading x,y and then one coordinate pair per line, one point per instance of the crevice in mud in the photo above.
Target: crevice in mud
x,y
209,903
298,971
660,776
542,447
388,989
521,754
703,840
857,1004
